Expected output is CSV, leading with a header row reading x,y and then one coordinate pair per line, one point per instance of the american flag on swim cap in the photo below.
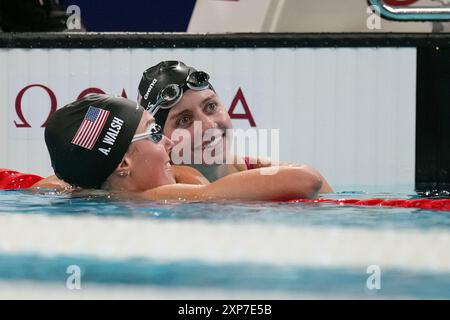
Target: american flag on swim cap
x,y
90,128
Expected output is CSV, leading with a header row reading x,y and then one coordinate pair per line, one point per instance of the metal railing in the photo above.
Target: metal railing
x,y
411,13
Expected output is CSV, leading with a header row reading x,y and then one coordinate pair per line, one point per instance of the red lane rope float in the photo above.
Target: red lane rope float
x,y
427,204
10,179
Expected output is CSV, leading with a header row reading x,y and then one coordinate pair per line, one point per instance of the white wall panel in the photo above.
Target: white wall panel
x,y
349,112
297,16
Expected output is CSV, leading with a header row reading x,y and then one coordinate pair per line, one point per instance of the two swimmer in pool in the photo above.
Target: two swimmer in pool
x,y
176,96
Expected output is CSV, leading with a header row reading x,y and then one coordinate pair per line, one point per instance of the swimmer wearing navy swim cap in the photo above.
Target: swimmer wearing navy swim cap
x,y
178,95
111,143
89,139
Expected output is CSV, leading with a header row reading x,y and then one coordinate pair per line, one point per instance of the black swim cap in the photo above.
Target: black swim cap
x,y
88,138
156,78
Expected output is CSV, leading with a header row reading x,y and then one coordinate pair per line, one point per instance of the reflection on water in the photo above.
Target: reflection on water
x,y
285,222
100,203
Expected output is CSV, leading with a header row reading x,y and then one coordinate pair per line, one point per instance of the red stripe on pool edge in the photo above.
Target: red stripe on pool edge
x,y
428,204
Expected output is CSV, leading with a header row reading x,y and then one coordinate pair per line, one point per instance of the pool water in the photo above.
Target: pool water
x,y
143,249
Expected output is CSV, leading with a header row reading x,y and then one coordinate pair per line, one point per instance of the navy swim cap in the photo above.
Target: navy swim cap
x,y
88,138
156,78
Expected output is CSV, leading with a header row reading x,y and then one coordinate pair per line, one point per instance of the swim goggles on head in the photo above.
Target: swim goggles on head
x,y
154,134
172,93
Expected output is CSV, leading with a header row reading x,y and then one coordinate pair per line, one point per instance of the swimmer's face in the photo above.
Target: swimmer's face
x,y
206,110
149,161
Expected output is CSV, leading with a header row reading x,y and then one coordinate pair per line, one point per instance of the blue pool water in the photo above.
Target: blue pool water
x,y
143,249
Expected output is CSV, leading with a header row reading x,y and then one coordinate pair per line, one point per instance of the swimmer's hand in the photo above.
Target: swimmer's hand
x,y
53,182
261,162
252,185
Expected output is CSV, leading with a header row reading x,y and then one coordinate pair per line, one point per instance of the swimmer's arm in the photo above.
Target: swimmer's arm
x,y
183,174
251,185
52,182
261,162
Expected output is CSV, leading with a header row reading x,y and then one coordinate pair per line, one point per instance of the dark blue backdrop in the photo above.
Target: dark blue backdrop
x,y
135,15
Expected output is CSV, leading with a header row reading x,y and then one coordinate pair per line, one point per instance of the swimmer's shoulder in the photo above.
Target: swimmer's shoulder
x,y
188,175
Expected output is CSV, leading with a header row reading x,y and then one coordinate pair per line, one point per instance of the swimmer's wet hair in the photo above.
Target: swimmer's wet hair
x,y
88,138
